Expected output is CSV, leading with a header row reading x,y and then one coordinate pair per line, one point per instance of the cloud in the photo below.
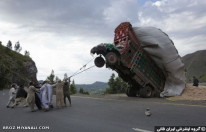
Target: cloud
x,y
119,11
73,17
184,21
60,34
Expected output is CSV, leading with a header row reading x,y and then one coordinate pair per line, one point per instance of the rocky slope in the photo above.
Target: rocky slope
x,y
15,67
195,64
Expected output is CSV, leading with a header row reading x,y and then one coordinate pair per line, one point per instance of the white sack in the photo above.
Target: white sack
x,y
162,50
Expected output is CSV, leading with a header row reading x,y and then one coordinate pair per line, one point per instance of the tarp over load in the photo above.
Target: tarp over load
x,y
161,49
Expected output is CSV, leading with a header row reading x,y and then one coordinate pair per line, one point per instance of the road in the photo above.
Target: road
x,y
91,114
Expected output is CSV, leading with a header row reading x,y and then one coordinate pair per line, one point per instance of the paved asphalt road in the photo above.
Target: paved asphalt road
x,y
89,114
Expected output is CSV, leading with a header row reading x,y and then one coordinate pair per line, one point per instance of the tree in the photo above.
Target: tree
x,y
73,89
111,84
26,53
120,85
0,43
51,77
81,90
86,92
57,79
20,49
65,75
17,47
116,85
9,45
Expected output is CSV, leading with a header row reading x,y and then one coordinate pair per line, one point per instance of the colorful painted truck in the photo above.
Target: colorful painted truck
x,y
127,57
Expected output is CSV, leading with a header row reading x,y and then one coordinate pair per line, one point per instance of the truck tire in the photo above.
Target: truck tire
x,y
146,92
111,58
131,91
99,62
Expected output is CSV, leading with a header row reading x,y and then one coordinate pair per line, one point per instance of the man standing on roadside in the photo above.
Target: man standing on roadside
x,y
195,81
66,91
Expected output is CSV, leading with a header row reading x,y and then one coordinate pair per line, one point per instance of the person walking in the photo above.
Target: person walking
x,y
20,97
12,94
31,96
66,91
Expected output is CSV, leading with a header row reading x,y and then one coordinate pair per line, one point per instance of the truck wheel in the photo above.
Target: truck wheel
x,y
99,62
131,92
111,58
146,92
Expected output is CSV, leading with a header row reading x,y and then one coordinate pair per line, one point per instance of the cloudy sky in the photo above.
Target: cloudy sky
x,y
60,33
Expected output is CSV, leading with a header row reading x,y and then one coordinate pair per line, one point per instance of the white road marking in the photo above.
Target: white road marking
x,y
140,130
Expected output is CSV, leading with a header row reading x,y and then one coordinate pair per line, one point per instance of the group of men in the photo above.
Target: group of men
x,y
41,95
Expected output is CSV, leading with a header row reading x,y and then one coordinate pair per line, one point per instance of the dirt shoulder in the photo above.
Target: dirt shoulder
x,y
190,96
192,93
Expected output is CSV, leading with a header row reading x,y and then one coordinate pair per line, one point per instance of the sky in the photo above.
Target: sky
x,y
59,34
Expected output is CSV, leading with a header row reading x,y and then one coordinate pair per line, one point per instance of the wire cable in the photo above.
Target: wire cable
x,y
83,67
82,71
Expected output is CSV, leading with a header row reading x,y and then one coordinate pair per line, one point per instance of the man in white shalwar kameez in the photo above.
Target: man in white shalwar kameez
x,y
46,91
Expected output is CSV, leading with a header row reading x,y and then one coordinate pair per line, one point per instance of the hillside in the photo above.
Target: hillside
x,y
94,88
195,65
15,67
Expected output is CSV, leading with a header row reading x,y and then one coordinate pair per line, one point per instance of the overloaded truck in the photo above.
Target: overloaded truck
x,y
127,57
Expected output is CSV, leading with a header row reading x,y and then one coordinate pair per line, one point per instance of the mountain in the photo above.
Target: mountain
x,y
195,64
94,88
15,68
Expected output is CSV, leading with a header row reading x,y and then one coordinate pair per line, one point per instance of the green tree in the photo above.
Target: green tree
x,y
111,83
17,47
9,45
81,90
116,85
120,85
65,75
73,89
51,77
26,53
56,79
86,92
